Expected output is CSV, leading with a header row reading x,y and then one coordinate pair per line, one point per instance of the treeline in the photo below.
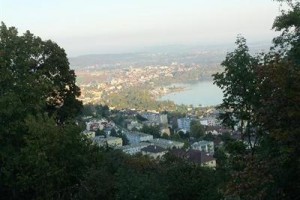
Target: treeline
x,y
261,98
139,98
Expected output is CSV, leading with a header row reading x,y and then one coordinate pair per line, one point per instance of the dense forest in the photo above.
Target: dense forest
x,y
44,156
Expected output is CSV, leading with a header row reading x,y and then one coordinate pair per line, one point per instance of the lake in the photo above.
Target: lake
x,y
203,93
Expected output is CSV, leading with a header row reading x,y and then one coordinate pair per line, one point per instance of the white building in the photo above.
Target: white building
x,y
154,151
167,144
108,141
184,123
205,146
94,125
156,118
133,148
137,137
209,121
163,118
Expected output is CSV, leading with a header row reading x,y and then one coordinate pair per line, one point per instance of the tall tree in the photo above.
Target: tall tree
x,y
152,130
36,73
279,114
53,162
274,171
35,79
197,130
238,82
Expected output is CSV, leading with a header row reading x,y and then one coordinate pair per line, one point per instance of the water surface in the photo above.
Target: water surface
x,y
203,93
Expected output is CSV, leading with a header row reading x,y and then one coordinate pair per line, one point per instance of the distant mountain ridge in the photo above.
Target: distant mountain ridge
x,y
162,55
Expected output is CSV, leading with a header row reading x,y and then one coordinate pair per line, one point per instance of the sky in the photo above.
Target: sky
x,y
121,26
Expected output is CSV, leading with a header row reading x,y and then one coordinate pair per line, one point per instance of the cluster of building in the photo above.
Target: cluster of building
x,y
108,81
209,121
200,152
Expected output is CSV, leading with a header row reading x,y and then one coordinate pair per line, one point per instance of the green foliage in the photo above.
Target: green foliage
x,y
152,130
100,133
280,88
45,163
124,139
38,73
188,181
197,130
102,111
35,80
165,136
182,135
209,137
290,18
113,132
118,118
176,136
238,82
273,171
138,98
140,184
88,110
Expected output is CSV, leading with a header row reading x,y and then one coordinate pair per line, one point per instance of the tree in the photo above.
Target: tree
x,y
238,82
185,180
274,171
124,139
99,132
182,135
197,130
113,133
152,130
46,164
88,110
35,79
279,76
37,73
165,136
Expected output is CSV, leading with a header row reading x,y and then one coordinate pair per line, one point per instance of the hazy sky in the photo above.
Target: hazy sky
x,y
117,26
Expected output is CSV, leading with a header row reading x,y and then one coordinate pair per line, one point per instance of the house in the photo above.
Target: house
x,y
112,142
166,144
163,118
136,137
94,125
133,148
216,130
184,123
155,118
205,146
208,121
165,130
154,151
195,156
150,123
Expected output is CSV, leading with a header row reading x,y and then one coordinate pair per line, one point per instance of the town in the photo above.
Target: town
x,y
154,134
111,86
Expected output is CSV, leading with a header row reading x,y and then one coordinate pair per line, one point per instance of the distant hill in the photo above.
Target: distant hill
x,y
164,55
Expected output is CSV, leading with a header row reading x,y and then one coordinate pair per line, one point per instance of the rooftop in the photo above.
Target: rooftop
x,y
153,149
194,156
